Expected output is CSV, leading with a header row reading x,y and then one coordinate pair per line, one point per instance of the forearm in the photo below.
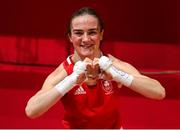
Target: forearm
x,y
45,99
41,102
144,85
148,87
133,79
52,91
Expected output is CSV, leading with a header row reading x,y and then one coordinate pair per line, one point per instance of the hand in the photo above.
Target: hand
x,y
104,63
86,71
80,68
93,69
92,72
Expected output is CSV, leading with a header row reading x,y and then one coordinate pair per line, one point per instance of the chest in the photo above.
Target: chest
x,y
101,95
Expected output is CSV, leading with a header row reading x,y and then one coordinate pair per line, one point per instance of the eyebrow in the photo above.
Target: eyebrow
x,y
78,30
93,29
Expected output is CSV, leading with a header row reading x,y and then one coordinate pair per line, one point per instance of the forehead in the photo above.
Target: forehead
x,y
84,22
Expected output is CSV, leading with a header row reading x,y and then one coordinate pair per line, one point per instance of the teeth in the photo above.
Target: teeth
x,y
86,46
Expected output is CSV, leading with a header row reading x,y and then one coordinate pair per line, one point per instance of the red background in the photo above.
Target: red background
x,y
145,33
132,20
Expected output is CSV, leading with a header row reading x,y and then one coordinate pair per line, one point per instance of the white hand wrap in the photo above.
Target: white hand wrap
x,y
68,82
79,67
106,64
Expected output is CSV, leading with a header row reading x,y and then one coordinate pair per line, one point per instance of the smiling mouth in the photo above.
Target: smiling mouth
x,y
86,46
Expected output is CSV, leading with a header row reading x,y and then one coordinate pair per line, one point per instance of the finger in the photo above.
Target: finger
x,y
90,71
97,68
81,78
87,60
95,61
89,68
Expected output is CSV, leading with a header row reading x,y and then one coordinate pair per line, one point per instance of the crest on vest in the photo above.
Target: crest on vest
x,y
107,87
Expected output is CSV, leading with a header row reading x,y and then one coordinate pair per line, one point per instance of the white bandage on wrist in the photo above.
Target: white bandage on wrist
x,y
106,64
120,76
68,82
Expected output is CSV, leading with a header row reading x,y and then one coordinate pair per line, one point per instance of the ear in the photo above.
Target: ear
x,y
102,33
70,38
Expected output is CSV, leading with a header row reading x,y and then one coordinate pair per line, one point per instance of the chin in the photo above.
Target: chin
x,y
87,51
89,55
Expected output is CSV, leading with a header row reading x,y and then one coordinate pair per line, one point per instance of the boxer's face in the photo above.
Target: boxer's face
x,y
86,36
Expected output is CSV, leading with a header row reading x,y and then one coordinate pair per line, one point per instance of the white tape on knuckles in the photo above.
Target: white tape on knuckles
x,y
79,67
104,62
68,82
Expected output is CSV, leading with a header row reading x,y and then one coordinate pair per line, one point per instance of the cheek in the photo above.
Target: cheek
x,y
75,41
96,40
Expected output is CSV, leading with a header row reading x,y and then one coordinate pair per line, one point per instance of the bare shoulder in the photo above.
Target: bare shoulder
x,y
127,67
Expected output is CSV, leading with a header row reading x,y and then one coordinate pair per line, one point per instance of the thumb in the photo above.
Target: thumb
x,y
81,78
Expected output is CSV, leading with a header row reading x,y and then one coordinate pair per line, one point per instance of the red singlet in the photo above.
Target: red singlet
x,y
91,106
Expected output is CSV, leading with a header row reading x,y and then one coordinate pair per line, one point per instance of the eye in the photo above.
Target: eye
x,y
78,33
92,33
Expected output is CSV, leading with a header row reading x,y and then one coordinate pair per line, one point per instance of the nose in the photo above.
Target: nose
x,y
85,37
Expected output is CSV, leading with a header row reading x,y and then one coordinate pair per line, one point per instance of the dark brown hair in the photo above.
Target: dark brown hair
x,y
84,11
